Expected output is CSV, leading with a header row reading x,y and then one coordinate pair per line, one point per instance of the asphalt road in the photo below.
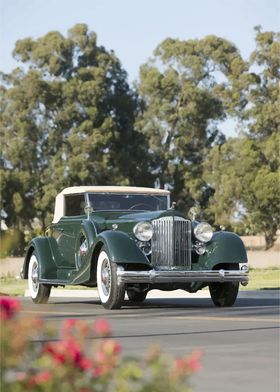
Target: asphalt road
x,y
240,344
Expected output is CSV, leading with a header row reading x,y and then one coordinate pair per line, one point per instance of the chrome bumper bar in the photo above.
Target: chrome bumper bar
x,y
171,276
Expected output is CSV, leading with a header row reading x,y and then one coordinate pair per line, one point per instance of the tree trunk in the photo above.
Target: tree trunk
x,y
269,240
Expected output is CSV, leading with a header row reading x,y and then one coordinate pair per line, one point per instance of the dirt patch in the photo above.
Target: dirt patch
x,y
263,259
11,266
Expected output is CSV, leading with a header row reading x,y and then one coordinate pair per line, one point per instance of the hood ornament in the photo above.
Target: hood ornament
x,y
88,210
193,212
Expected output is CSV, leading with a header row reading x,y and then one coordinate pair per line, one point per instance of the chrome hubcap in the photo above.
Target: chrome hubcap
x,y
34,276
106,277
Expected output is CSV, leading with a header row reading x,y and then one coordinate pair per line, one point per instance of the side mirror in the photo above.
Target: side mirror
x,y
193,212
88,209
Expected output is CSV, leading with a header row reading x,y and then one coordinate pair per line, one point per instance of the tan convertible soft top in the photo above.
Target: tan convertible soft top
x,y
59,201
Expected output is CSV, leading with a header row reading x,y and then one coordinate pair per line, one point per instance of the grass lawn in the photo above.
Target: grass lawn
x,y
17,287
263,279
12,286
260,279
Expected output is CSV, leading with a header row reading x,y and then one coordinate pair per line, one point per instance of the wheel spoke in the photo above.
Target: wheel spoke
x,y
106,277
34,277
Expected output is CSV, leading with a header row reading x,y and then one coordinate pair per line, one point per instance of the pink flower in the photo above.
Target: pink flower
x,y
74,329
55,351
194,361
21,376
70,323
111,347
190,364
106,358
68,352
102,327
85,364
100,357
40,378
8,307
98,371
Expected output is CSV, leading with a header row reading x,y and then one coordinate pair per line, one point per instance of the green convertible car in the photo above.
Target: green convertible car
x,y
129,240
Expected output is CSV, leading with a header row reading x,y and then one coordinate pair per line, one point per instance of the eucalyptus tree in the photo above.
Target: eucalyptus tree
x,y
246,172
188,88
67,119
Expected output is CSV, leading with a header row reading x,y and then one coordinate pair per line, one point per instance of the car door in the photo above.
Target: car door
x,y
67,229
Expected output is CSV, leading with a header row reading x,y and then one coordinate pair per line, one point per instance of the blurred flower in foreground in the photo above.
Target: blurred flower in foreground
x,y
102,327
68,352
74,329
39,378
8,307
189,365
81,357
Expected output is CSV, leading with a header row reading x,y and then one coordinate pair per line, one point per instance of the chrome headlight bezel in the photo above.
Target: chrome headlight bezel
x,y
203,232
143,231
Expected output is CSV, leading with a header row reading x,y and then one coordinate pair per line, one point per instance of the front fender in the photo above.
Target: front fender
x,y
47,266
225,247
121,248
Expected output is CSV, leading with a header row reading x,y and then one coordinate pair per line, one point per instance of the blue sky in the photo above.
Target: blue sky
x,y
133,28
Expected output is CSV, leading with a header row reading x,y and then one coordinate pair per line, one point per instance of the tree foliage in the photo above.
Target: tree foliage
x,y
245,172
67,119
188,88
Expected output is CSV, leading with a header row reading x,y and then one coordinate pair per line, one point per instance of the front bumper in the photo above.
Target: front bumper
x,y
173,276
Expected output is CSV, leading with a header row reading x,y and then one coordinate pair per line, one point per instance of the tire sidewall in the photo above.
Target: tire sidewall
x,y
101,259
115,296
224,294
41,295
33,260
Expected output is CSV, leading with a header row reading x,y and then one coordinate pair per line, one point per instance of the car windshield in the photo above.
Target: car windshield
x,y
115,202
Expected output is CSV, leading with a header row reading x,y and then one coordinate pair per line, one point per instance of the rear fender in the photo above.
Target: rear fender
x,y
47,266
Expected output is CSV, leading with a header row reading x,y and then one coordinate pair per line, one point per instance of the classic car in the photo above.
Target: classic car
x,y
131,240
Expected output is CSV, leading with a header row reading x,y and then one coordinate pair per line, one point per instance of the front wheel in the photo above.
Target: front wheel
x,y
136,296
111,293
39,292
225,293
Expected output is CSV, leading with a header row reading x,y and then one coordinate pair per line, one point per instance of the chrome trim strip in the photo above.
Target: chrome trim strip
x,y
159,276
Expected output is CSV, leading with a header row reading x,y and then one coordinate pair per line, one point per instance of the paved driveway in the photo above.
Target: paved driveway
x,y
240,344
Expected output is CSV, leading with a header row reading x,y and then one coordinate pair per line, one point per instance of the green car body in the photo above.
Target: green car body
x,y
172,258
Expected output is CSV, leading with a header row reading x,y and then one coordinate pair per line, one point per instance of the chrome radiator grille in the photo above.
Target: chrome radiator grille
x,y
171,242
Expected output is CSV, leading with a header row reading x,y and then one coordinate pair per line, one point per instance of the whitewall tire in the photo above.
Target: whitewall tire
x,y
111,293
39,292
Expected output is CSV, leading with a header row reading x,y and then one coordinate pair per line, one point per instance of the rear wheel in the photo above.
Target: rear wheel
x,y
136,296
39,292
111,293
224,293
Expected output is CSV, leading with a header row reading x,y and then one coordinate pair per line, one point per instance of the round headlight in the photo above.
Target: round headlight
x,y
143,231
203,232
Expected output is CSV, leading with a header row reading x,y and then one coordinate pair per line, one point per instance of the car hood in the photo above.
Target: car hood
x,y
126,220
